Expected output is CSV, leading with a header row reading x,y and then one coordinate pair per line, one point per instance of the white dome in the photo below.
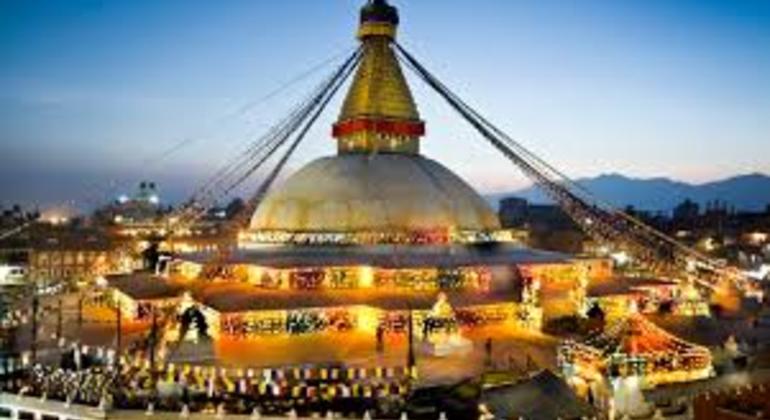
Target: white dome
x,y
383,192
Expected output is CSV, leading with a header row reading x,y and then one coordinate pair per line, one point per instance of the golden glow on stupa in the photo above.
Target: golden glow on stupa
x,y
378,188
361,239
379,113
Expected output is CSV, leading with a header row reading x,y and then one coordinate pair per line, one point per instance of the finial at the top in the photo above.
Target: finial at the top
x,y
378,114
379,11
378,18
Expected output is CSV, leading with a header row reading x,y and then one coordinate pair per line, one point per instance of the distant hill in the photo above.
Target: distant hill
x,y
745,192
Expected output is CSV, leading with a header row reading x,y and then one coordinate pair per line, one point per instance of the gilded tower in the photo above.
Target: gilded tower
x,y
379,114
378,188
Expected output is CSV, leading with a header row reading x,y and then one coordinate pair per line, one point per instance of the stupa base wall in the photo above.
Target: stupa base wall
x,y
366,319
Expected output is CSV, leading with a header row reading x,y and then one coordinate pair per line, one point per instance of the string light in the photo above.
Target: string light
x,y
635,346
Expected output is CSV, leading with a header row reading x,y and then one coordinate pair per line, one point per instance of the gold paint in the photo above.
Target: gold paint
x,y
365,141
377,29
379,89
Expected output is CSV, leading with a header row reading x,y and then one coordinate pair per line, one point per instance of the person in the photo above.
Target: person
x,y
380,339
512,365
488,351
531,365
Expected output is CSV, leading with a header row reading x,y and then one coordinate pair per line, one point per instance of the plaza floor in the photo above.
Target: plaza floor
x,y
359,350
509,345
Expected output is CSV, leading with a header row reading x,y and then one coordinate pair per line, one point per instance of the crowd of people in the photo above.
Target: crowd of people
x,y
136,386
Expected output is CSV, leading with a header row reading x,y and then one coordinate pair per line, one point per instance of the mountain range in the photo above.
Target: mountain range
x,y
745,192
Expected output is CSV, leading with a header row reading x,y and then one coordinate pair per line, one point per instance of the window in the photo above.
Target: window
x,y
26,415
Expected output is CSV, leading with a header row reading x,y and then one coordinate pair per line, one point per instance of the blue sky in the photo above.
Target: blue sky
x,y
92,91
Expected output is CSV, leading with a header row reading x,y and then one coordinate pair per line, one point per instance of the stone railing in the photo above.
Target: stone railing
x,y
19,406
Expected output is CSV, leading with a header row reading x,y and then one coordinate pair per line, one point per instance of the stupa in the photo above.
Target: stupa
x,y
361,239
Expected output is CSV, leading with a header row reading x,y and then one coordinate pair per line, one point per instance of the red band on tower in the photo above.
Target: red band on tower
x,y
398,128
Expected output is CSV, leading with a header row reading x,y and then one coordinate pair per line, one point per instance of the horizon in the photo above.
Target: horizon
x,y
94,91
530,192
698,183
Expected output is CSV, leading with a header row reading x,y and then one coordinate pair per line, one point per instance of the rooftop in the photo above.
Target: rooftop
x,y
625,285
637,336
388,256
146,286
543,396
242,297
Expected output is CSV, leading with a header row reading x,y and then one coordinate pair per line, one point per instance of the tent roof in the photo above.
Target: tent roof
x,y
543,396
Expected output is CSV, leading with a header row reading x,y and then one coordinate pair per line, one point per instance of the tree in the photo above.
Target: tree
x,y
151,256
596,312
235,206
596,318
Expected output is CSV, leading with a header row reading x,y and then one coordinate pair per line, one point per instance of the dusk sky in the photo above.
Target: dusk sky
x,y
92,92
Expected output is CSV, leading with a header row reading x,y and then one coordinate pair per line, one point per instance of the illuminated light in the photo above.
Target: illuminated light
x,y
367,318
428,236
757,238
123,199
56,220
633,307
621,258
190,270
366,277
637,348
708,244
761,273
154,199
255,274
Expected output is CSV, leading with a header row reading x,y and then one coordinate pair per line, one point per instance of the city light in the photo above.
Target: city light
x,y
366,279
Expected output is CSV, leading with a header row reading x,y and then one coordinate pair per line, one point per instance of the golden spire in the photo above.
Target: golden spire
x,y
379,113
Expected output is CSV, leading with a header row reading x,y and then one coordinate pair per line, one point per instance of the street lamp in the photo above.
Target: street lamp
x,y
410,358
59,321
81,298
118,333
35,307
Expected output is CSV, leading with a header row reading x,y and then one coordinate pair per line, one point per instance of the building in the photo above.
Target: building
x,y
633,350
138,295
542,396
143,207
615,295
373,236
686,212
359,238
547,226
12,275
74,254
513,212
749,402
562,285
